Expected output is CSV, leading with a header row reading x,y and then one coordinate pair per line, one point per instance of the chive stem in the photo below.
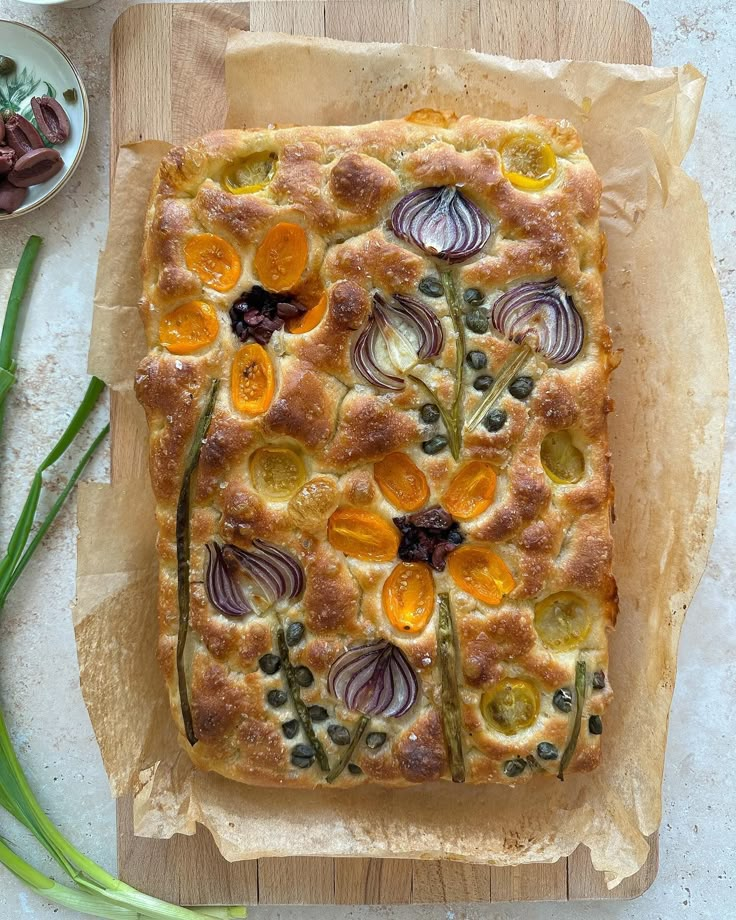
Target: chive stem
x,y
456,315
509,369
580,688
300,706
345,759
449,693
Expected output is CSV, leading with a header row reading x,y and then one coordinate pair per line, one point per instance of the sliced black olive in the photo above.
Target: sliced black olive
x,y
483,383
339,734
354,769
375,740
276,698
547,751
294,633
477,321
599,680
477,360
429,413
434,445
290,728
562,700
302,756
472,296
317,713
514,767
269,664
303,676
432,287
495,420
595,725
521,387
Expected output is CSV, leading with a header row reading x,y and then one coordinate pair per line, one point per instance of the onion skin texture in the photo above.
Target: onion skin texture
x,y
442,222
375,679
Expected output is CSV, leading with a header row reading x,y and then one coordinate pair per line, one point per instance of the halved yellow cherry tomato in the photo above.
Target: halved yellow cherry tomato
x,y
251,380
251,174
309,320
363,534
431,117
511,705
401,481
189,328
562,461
214,260
562,620
471,490
480,572
277,472
282,257
528,162
408,596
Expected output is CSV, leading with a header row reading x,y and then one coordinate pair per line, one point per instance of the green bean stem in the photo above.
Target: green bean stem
x,y
449,694
580,688
299,705
345,759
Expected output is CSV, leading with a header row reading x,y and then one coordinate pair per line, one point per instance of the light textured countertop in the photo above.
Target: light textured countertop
x,y
38,671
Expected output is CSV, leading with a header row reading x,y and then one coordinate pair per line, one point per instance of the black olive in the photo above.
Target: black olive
x,y
276,698
477,360
290,728
317,713
303,676
495,420
294,633
521,387
269,664
431,287
595,725
434,445
477,321
354,769
339,734
562,700
599,680
455,535
483,383
514,767
472,296
302,756
429,413
375,740
547,751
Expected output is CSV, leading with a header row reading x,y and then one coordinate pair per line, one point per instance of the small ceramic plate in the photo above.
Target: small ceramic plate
x,y
42,69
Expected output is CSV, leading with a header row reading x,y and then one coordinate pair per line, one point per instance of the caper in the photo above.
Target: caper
x,y
70,95
429,413
302,756
317,713
483,383
562,700
514,767
477,360
269,664
431,287
434,445
290,728
7,66
354,769
495,420
599,680
294,633
276,698
339,734
472,296
547,751
521,387
303,676
477,321
375,740
595,725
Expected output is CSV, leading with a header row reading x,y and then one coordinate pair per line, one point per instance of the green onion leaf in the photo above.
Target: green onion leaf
x,y
580,687
449,694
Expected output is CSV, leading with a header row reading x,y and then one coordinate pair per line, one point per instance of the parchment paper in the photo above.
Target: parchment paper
x,y
664,306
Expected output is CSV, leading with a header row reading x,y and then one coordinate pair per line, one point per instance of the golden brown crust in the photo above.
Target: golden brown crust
x,y
340,184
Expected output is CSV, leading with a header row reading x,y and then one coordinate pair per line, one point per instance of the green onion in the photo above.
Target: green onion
x,y
449,693
580,687
345,759
299,704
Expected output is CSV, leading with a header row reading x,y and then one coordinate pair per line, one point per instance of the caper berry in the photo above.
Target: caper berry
x,y
562,700
477,360
599,680
483,383
294,633
354,769
303,676
495,420
70,95
521,387
595,725
302,756
276,698
477,321
375,740
434,445
514,767
290,728
547,751
7,66
269,664
431,287
429,413
472,296
339,734
317,713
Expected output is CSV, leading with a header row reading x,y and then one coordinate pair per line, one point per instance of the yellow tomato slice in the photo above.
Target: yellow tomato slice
x,y
277,472
511,705
471,490
282,257
562,620
251,174
309,320
214,260
189,328
408,596
363,534
528,162
401,481
252,381
480,572
561,460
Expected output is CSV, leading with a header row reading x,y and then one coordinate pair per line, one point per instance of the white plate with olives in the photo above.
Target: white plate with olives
x,y
44,115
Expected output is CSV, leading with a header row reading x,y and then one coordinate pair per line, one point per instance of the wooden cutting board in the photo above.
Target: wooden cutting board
x,y
167,82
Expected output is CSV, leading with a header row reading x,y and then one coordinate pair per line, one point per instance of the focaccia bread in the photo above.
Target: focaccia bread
x,y
384,535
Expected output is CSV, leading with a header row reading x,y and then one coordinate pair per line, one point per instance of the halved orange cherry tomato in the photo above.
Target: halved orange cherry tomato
x,y
282,257
251,381
481,573
408,596
189,328
363,534
214,260
471,490
528,162
309,320
401,481
431,117
511,705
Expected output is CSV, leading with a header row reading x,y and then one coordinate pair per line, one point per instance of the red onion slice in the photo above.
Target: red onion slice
x,y
225,591
375,679
364,357
442,222
540,314
275,573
